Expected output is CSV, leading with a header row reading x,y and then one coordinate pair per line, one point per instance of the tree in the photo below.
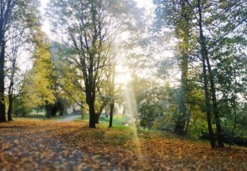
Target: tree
x,y
177,15
6,14
204,55
225,31
213,25
111,91
89,28
226,45
88,34
183,29
69,84
183,17
18,38
38,86
230,79
12,72
13,14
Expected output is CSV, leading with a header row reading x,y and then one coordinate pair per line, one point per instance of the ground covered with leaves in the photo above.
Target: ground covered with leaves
x,y
52,145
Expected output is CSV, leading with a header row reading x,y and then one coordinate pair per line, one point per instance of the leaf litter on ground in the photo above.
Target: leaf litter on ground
x,y
51,145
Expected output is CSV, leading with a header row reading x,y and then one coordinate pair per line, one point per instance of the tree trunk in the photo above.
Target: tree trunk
x,y
183,29
205,77
97,115
204,51
2,103
111,113
90,99
10,107
10,91
219,135
180,125
91,116
207,104
47,109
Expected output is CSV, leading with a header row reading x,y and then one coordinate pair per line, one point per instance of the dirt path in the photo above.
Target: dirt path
x,y
70,118
40,146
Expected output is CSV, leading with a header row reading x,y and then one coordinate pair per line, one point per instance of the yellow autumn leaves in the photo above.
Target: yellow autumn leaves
x,y
52,145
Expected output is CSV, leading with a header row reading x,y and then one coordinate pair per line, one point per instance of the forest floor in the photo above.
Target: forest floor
x,y
52,145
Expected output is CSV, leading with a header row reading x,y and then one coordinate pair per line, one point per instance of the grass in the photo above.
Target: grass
x,y
118,120
40,116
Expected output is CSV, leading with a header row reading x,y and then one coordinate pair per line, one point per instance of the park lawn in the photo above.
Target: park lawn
x,y
53,145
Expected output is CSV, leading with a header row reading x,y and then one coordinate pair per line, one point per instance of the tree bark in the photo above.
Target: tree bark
x,y
91,116
183,29
2,99
10,107
219,135
90,98
205,77
10,93
97,115
5,20
111,113
204,51
47,109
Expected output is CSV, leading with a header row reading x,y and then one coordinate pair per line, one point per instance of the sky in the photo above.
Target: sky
x,y
146,4
141,3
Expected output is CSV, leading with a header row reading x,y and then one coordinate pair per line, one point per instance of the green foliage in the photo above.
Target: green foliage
x,y
19,108
69,82
38,84
223,44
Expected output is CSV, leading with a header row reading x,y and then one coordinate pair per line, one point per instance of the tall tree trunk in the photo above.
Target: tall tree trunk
x,y
91,115
97,115
10,107
205,57
90,95
2,103
10,95
47,109
90,98
112,92
205,76
111,113
219,135
5,20
183,119
183,30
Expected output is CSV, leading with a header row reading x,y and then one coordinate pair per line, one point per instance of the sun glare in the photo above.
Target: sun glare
x,y
122,78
